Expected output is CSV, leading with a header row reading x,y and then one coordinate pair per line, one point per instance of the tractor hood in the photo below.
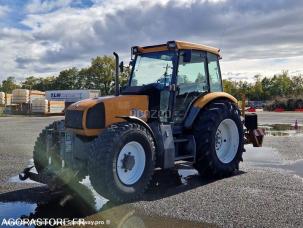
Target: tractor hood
x,y
88,117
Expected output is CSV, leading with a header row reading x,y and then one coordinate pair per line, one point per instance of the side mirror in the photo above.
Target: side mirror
x,y
187,56
121,67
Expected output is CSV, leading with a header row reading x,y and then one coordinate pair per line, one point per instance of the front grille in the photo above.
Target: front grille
x,y
73,119
96,117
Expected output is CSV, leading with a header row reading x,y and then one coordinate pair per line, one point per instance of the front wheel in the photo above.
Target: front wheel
x,y
40,155
48,160
122,161
218,131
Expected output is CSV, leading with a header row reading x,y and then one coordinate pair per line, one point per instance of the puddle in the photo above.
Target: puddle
x,y
117,216
270,158
85,204
283,130
127,217
261,155
295,168
15,209
75,203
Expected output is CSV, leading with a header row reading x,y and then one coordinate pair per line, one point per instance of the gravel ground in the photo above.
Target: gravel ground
x,y
17,138
255,198
267,192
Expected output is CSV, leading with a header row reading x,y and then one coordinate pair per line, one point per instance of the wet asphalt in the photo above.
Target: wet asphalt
x,y
266,192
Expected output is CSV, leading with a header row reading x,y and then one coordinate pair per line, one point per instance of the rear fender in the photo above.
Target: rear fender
x,y
201,102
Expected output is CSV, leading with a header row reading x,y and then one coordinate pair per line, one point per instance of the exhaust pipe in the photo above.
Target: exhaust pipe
x,y
117,90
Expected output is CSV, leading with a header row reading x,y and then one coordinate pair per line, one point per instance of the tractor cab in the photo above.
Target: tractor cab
x,y
174,75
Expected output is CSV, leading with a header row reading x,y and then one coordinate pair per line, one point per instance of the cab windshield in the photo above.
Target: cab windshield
x,y
153,68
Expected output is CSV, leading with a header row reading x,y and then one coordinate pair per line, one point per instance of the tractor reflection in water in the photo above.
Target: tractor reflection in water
x,y
80,201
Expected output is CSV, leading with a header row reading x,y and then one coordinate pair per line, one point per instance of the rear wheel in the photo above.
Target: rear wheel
x,y
218,132
122,161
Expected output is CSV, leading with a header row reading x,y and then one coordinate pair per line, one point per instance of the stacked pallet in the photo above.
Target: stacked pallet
x,y
20,96
36,94
8,99
56,107
40,105
2,98
43,106
5,98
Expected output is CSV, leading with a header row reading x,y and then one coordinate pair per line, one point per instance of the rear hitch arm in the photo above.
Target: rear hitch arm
x,y
254,135
60,179
27,174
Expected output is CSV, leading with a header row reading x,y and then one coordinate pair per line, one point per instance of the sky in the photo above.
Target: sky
x,y
43,37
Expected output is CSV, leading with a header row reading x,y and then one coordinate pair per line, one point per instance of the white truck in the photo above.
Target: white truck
x,y
71,96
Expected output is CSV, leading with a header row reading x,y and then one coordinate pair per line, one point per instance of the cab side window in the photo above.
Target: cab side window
x,y
215,81
191,75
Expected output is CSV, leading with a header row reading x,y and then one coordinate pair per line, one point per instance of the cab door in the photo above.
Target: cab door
x,y
191,81
215,79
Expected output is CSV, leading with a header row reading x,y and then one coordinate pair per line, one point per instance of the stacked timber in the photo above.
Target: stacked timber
x,y
8,99
24,96
2,98
43,106
40,105
56,107
36,94
5,98
20,96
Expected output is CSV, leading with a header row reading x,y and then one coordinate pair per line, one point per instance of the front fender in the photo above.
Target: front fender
x,y
137,120
201,102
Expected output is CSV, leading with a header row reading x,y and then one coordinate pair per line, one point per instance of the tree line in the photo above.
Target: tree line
x,y
265,88
100,76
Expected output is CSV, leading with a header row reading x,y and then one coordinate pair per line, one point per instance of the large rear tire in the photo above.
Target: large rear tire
x,y
122,162
218,131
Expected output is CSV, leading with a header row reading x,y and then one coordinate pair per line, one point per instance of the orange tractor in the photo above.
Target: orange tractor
x,y
172,109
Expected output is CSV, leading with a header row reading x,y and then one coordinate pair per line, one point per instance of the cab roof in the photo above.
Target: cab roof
x,y
180,45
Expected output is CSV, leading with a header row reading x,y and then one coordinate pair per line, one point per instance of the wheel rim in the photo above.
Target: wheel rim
x,y
131,163
227,141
